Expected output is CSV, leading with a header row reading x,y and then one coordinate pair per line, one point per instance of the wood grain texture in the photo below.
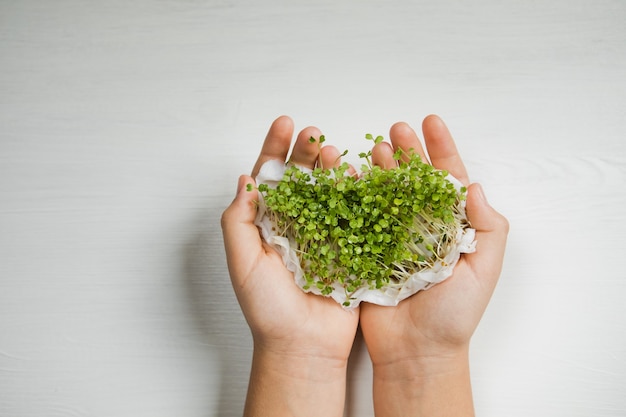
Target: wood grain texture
x,y
123,129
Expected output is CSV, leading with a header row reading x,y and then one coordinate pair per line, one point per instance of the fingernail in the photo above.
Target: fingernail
x,y
481,193
241,183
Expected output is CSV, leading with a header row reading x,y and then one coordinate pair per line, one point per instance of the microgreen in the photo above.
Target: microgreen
x,y
373,231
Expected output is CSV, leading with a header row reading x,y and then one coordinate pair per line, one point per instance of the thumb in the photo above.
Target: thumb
x,y
492,229
241,237
243,206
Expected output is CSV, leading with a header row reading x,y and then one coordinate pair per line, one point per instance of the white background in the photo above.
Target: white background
x,y
123,129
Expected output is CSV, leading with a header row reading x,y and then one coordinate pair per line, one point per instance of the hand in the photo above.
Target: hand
x,y
419,349
301,341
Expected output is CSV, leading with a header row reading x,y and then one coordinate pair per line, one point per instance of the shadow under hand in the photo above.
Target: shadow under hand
x,y
214,306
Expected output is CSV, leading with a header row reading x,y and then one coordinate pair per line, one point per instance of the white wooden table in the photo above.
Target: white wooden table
x,y
124,126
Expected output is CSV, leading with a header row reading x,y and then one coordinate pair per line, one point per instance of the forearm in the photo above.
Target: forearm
x,y
434,387
302,386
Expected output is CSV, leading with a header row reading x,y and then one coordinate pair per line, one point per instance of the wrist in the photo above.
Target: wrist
x,y
295,383
309,366
423,363
433,385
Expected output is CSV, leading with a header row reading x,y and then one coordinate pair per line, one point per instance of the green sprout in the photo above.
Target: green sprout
x,y
372,231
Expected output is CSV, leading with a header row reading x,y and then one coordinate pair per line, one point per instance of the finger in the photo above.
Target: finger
x,y
441,148
404,137
492,229
276,144
241,237
382,156
305,152
330,157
